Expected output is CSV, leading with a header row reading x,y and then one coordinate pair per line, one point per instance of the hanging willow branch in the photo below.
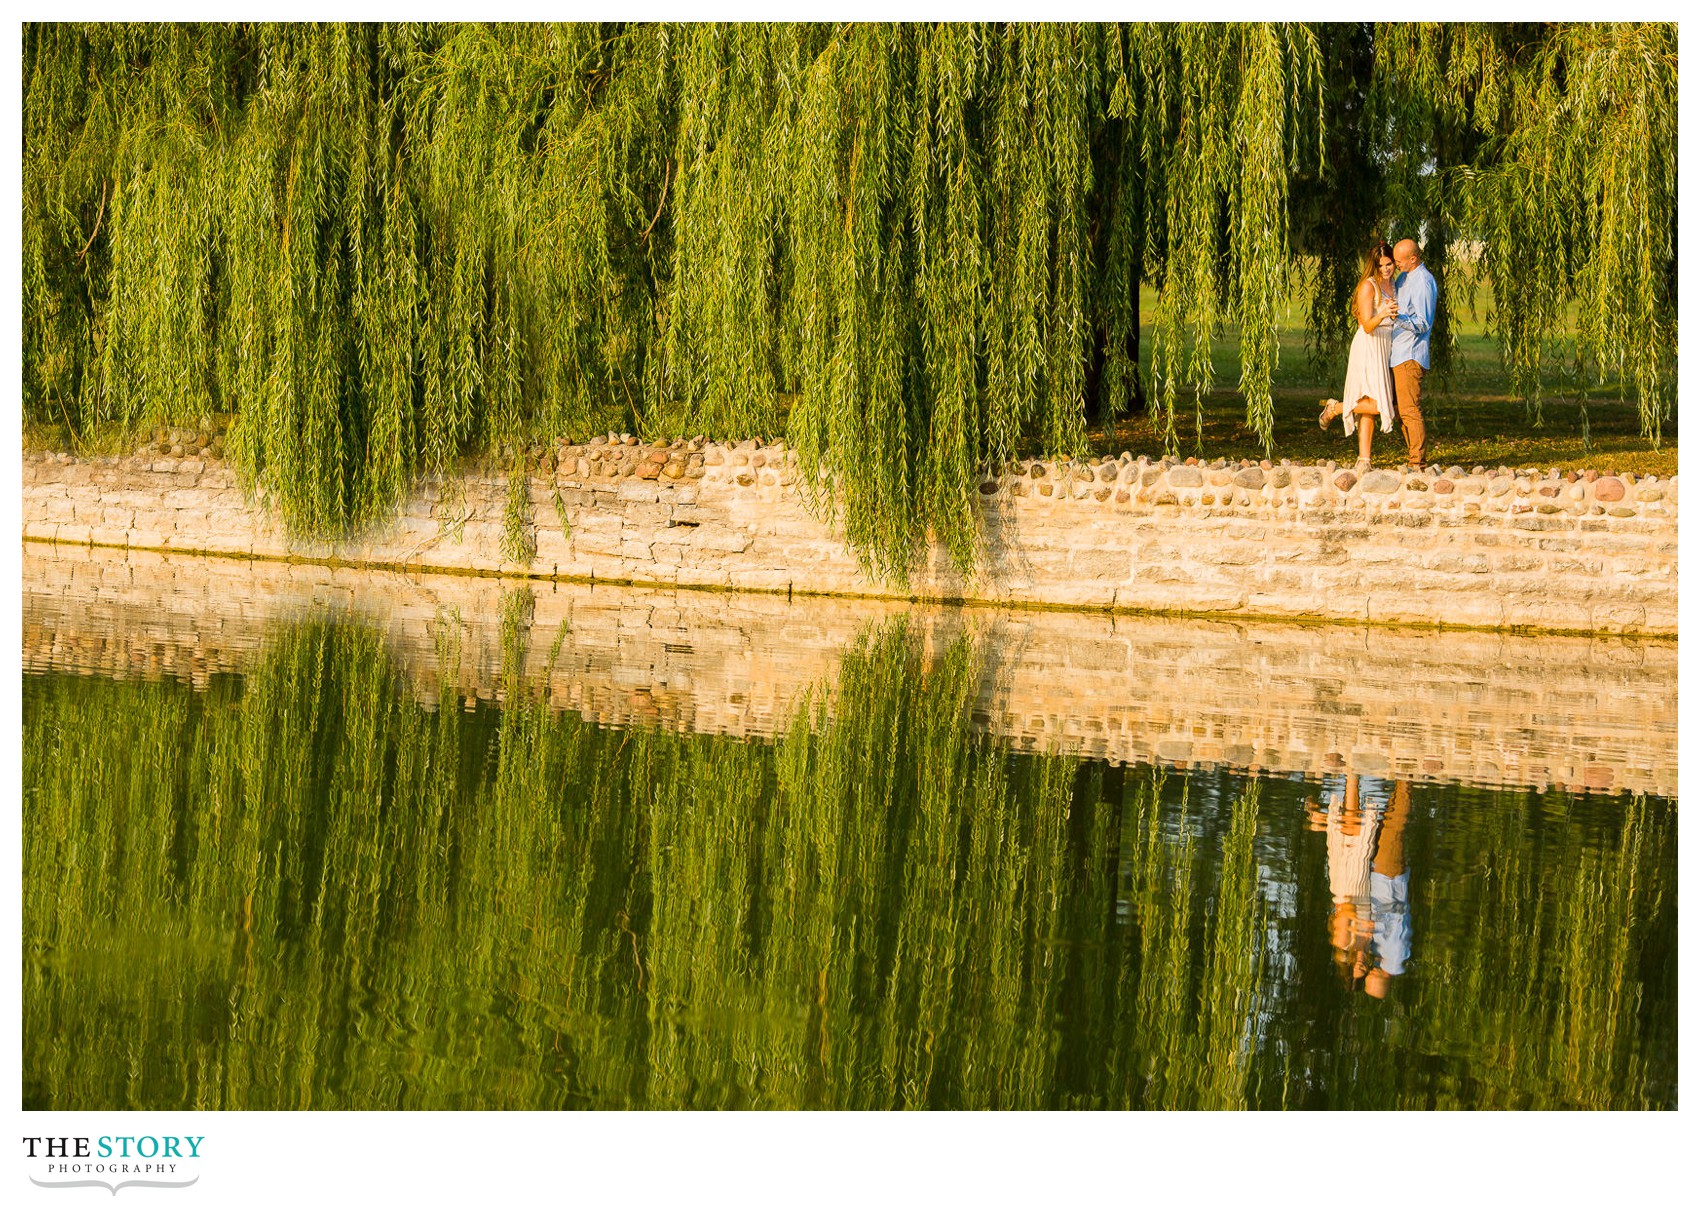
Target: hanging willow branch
x,y
98,216
912,249
1553,150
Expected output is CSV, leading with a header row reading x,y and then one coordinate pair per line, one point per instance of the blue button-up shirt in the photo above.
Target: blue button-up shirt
x,y
1416,293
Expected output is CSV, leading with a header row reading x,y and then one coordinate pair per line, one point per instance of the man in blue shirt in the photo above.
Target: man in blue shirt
x,y
1416,293
1390,896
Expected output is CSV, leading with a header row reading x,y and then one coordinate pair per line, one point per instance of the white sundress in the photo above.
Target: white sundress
x,y
1350,854
1367,374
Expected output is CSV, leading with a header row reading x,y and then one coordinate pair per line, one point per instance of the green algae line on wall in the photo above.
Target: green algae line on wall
x,y
303,889
384,247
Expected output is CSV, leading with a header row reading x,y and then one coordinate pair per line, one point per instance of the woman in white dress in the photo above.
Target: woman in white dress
x,y
1369,382
1356,805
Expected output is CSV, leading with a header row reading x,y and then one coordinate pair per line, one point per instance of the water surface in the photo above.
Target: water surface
x,y
316,883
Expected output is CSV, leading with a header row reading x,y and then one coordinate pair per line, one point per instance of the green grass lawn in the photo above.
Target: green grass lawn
x,y
1472,417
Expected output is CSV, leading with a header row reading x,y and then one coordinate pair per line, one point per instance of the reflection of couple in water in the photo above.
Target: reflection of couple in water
x,y
1370,924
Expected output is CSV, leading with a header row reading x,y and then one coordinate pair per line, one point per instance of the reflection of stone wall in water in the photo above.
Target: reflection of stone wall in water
x,y
1460,706
309,890
1588,553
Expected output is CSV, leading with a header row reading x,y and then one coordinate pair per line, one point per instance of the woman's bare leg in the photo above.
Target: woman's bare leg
x,y
1368,415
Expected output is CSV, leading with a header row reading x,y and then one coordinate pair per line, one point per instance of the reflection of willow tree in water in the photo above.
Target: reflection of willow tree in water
x,y
1557,1006
306,889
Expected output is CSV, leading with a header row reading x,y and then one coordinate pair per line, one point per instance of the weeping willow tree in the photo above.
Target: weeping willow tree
x,y
379,247
1553,150
912,250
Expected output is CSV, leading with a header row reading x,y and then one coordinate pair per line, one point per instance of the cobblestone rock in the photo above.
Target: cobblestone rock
x,y
1313,542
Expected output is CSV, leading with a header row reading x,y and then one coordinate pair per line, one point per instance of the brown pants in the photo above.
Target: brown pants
x,y
1408,390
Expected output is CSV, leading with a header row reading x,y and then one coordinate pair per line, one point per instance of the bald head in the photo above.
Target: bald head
x,y
1407,256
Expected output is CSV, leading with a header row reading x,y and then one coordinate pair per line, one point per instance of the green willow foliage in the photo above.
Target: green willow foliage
x,y
304,888
1553,148
913,249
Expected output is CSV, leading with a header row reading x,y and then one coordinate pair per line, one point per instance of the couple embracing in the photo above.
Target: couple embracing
x,y
1394,306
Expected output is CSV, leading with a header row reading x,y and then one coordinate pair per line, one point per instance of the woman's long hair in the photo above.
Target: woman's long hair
x,y
1372,259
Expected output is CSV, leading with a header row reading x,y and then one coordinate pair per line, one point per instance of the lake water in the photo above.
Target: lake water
x,y
287,849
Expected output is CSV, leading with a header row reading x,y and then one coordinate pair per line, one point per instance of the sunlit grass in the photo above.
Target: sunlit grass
x,y
1473,418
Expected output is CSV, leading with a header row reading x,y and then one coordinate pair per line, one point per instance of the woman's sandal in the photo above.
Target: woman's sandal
x,y
1331,410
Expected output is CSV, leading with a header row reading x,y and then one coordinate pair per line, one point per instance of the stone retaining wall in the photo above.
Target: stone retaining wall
x,y
1474,707
1486,549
